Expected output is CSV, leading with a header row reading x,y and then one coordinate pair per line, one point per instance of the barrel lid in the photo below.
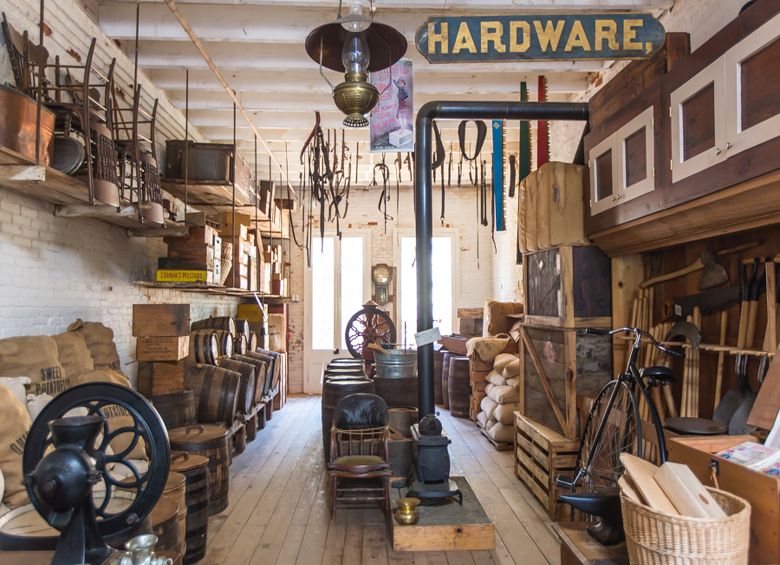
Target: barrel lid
x,y
163,511
348,382
182,461
175,481
197,433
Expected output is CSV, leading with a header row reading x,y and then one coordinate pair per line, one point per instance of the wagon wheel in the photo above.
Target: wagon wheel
x,y
134,491
369,325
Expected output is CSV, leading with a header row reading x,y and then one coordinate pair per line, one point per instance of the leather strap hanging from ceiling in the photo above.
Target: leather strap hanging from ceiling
x,y
438,163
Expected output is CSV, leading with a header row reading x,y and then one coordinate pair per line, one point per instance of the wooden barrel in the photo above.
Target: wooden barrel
x,y
195,469
346,362
277,367
459,386
165,525
210,441
242,328
445,379
253,341
332,392
400,455
240,345
261,369
204,347
343,370
437,365
217,391
247,390
347,377
176,409
400,391
402,418
270,363
225,342
261,417
224,323
176,490
239,440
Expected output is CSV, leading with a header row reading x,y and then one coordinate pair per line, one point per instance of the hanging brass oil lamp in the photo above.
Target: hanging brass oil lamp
x,y
355,45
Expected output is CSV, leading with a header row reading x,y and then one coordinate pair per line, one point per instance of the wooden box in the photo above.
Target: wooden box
x,y
556,365
542,454
165,320
155,379
449,527
162,348
568,287
761,491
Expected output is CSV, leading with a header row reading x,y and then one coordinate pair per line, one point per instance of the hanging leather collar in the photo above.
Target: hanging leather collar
x,y
440,155
481,135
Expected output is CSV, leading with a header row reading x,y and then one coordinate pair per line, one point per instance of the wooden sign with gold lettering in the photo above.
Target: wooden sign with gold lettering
x,y
539,37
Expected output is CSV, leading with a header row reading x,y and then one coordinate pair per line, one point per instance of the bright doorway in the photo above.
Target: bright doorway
x,y
335,287
443,286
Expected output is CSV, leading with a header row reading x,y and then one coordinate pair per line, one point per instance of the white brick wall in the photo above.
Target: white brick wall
x,y
55,270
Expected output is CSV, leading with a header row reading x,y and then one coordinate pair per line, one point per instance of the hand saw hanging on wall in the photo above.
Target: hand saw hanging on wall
x,y
499,139
543,131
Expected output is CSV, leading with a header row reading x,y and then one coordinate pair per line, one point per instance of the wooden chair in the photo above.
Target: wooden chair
x,y
139,175
358,469
78,94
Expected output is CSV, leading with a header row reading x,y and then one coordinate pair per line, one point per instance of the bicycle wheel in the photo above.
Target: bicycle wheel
x,y
621,433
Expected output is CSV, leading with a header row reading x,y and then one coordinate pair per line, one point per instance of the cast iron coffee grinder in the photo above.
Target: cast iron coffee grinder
x,y
64,460
432,484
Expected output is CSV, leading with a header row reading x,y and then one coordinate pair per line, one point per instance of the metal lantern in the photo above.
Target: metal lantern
x,y
355,45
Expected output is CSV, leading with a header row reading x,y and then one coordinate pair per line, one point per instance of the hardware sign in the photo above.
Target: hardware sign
x,y
539,37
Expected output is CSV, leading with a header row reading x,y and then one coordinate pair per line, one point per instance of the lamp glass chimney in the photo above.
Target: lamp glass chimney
x,y
359,17
355,54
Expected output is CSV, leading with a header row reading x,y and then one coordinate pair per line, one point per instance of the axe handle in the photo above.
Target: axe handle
x,y
697,265
770,336
724,318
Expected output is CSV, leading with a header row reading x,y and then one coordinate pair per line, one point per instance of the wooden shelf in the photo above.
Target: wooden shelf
x,y
214,198
71,196
212,289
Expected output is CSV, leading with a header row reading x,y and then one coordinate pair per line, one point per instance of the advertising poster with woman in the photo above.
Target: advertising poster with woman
x,y
392,119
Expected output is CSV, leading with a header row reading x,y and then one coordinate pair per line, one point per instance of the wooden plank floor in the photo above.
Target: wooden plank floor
x,y
279,513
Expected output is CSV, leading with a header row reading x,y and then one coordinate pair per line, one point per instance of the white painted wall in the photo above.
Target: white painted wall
x,y
55,270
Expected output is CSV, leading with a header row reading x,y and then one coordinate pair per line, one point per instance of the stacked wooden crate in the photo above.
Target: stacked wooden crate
x,y
567,286
478,372
163,345
470,322
541,455
244,250
196,257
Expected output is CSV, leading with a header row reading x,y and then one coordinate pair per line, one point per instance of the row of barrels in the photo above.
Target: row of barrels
x,y
208,346
451,384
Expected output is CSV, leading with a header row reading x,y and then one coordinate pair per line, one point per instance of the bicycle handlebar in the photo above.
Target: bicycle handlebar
x,y
637,332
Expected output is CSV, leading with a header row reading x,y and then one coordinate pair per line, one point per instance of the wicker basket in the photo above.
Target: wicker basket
x,y
658,538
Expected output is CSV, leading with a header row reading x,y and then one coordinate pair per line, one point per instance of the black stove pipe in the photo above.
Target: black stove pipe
x,y
423,200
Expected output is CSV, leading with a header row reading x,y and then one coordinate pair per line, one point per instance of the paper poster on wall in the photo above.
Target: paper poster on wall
x,y
392,119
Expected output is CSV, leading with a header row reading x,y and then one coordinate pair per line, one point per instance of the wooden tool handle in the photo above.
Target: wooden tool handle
x,y
697,265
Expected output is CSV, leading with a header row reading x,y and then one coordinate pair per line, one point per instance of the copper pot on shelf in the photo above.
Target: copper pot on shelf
x,y
18,124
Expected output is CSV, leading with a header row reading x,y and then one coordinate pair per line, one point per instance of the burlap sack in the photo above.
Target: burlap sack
x,y
495,318
100,342
502,362
495,378
503,395
502,433
14,425
17,385
505,414
35,357
37,403
118,418
488,406
101,376
512,370
482,419
486,348
74,355
514,383
488,388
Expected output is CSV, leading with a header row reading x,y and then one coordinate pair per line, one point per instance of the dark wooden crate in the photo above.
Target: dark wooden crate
x,y
568,286
161,320
566,363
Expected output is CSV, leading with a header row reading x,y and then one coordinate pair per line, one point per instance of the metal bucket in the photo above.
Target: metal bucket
x,y
396,364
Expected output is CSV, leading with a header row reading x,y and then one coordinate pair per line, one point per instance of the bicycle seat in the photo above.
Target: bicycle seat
x,y
658,375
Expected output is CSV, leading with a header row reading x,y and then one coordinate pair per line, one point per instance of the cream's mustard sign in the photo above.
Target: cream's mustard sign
x,y
540,37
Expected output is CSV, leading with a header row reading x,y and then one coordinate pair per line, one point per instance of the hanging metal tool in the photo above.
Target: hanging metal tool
x,y
543,129
384,198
